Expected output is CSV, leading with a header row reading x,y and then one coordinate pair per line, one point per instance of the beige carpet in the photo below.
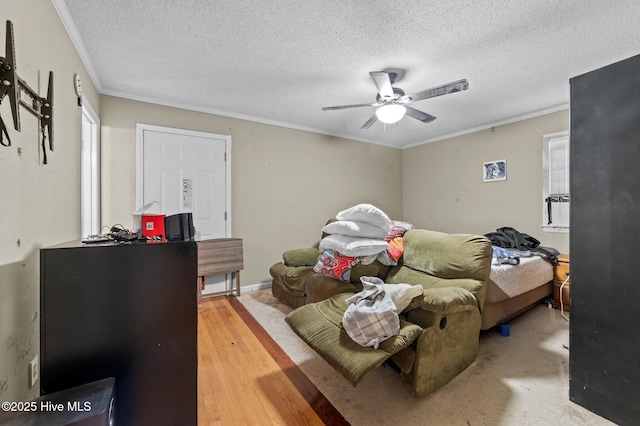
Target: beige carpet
x,y
522,379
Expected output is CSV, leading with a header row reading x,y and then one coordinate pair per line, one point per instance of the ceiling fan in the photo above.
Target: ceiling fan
x,y
392,103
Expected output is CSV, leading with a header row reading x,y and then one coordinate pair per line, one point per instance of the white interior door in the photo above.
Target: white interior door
x,y
186,172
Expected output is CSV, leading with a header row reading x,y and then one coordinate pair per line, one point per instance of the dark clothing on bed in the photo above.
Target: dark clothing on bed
x,y
510,238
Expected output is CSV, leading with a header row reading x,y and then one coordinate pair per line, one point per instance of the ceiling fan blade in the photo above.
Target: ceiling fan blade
x,y
370,122
345,107
383,83
419,115
445,89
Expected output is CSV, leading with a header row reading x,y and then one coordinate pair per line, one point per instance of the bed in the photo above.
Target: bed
x,y
515,288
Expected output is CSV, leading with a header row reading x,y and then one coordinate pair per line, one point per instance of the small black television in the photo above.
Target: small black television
x,y
179,227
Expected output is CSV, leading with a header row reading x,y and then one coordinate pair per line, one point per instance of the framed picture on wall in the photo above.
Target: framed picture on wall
x,y
493,171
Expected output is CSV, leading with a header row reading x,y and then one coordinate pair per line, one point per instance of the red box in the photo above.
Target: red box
x,y
153,225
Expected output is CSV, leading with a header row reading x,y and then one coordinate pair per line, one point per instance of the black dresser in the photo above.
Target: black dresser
x,y
125,311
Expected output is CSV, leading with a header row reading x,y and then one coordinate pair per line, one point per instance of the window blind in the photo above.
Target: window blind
x,y
556,192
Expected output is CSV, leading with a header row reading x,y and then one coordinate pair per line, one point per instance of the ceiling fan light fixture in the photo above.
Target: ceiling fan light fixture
x,y
391,113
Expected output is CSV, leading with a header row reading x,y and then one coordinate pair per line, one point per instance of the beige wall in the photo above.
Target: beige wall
x,y
285,183
443,188
40,203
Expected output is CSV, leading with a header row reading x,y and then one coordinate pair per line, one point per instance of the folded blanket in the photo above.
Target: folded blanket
x,y
353,246
335,265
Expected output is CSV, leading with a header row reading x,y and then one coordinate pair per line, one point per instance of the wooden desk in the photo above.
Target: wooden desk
x,y
220,256
560,275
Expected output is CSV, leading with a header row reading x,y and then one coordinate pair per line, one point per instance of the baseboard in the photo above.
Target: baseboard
x,y
254,287
219,288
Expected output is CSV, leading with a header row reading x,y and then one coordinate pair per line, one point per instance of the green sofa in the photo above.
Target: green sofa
x,y
439,331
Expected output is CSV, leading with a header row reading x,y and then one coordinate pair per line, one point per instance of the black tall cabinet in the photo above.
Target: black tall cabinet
x,y
123,311
605,227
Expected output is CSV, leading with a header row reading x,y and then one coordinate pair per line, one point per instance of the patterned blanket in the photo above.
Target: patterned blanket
x,y
370,317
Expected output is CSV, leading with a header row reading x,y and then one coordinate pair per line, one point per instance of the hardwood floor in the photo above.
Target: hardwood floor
x,y
244,378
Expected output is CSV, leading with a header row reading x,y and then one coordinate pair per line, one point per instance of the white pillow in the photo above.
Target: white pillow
x,y
353,246
402,294
366,213
355,229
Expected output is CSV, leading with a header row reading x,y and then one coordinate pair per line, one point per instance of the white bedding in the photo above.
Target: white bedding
x,y
514,280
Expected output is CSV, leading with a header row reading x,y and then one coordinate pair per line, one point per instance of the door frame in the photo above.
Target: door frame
x,y
140,129
90,175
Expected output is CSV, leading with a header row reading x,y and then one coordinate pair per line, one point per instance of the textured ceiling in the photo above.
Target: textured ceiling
x,y
280,62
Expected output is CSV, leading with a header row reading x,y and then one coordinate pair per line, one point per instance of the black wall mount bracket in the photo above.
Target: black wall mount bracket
x,y
13,86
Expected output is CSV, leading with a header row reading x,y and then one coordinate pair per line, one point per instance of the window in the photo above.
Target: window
x,y
555,192
89,172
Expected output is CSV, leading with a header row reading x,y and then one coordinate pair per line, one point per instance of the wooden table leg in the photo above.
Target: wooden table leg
x,y
200,288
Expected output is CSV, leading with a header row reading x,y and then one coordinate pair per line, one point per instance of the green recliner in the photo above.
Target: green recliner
x,y
439,331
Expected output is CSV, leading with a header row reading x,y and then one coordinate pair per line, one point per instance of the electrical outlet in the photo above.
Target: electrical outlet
x,y
34,371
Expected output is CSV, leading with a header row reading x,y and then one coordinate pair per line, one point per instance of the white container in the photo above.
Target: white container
x,y
136,217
